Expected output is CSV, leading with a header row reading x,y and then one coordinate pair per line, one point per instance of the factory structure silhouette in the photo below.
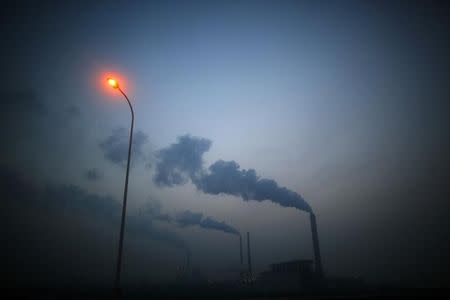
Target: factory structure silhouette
x,y
293,274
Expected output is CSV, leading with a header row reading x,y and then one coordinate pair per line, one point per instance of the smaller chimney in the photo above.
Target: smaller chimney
x,y
240,250
315,239
249,256
188,261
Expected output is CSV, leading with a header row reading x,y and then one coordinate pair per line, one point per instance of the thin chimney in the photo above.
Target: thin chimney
x,y
188,261
249,256
240,249
315,239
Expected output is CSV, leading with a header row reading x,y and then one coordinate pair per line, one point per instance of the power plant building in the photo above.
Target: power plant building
x,y
289,274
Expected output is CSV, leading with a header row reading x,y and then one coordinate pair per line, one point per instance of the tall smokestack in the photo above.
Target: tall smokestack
x,y
315,239
249,256
240,250
188,261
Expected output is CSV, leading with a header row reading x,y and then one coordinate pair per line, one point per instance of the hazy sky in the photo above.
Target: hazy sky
x,y
344,103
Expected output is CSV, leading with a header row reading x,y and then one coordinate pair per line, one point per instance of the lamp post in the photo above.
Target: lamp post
x,y
113,83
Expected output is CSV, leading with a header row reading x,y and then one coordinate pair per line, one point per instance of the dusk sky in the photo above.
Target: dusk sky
x,y
345,104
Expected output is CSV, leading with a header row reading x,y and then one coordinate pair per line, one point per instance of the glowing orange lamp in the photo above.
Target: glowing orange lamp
x,y
112,82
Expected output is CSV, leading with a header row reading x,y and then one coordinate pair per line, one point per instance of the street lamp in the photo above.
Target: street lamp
x,y
113,83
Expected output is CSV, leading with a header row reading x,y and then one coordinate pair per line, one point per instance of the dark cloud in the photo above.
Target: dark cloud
x,y
13,186
21,114
74,200
63,225
22,101
180,161
93,174
115,146
46,228
183,160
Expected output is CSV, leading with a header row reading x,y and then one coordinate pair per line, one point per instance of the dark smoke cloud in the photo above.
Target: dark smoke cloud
x,y
21,114
93,174
184,219
74,200
22,101
115,146
45,228
189,218
180,161
225,177
153,209
210,223
183,160
144,227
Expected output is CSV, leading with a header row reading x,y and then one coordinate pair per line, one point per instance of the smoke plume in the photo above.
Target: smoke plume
x,y
184,219
184,160
115,146
189,218
210,223
180,161
153,209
